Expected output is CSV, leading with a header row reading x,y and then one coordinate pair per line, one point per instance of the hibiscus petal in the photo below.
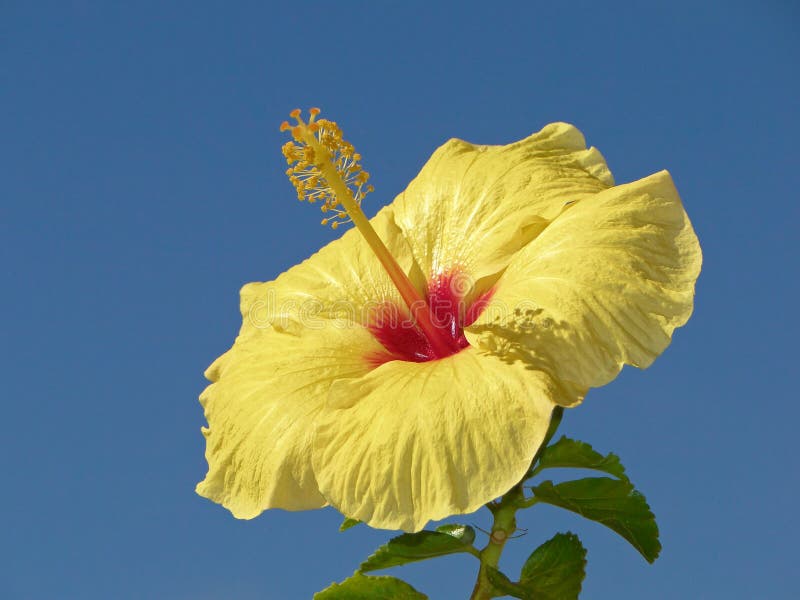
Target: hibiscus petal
x,y
605,284
476,206
413,442
267,393
299,333
343,281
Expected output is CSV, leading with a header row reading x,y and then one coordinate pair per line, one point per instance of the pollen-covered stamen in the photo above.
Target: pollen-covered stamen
x,y
324,167
305,174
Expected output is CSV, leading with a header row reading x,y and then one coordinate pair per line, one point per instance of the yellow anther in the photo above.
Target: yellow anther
x,y
319,149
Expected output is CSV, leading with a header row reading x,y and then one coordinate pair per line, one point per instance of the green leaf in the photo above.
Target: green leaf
x,y
555,570
465,533
567,452
615,504
410,547
362,587
348,523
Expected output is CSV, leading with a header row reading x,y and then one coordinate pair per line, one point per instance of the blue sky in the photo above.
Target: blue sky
x,y
142,185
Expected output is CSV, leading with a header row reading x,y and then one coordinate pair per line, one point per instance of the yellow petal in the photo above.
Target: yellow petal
x,y
299,334
267,393
475,206
341,282
413,442
605,284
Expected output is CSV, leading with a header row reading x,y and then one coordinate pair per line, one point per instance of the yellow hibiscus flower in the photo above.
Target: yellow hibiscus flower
x,y
408,370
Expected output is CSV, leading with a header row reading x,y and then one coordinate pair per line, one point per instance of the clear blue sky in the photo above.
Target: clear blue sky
x,y
142,185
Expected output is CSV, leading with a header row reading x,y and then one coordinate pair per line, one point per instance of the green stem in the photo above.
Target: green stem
x,y
505,520
503,527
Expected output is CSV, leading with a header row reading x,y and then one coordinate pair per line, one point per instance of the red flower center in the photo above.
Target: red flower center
x,y
450,310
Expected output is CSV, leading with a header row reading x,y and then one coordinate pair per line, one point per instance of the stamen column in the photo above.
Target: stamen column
x,y
339,192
